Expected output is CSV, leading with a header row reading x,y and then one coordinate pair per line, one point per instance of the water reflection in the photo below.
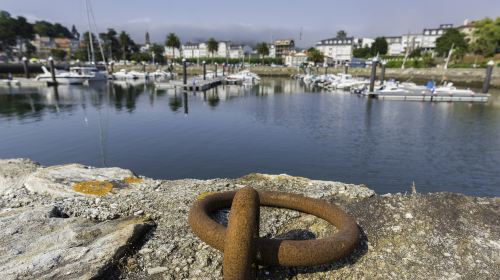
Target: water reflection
x,y
278,126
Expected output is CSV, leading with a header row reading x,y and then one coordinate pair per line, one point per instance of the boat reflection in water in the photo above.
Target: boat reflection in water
x,y
276,126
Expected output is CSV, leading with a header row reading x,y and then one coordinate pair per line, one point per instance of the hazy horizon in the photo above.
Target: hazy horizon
x,y
260,21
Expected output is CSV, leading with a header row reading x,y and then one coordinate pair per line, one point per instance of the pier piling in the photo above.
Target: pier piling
x,y
487,79
382,71
26,68
52,70
346,68
223,69
215,72
184,71
326,70
204,70
373,74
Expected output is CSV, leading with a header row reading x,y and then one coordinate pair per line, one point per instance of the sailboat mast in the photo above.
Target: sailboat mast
x,y
98,40
90,32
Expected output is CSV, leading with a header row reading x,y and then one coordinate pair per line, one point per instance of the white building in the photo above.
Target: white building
x,y
394,45
190,50
224,47
339,49
272,51
411,42
363,42
296,59
430,35
239,51
171,52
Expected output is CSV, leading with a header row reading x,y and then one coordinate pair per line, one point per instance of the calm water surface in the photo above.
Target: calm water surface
x,y
276,127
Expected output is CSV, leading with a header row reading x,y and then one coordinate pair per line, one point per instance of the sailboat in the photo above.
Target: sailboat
x,y
97,75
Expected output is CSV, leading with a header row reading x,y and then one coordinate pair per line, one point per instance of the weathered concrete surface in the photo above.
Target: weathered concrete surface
x,y
13,173
36,243
59,180
419,236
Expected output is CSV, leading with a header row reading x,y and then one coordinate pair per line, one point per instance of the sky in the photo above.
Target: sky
x,y
257,20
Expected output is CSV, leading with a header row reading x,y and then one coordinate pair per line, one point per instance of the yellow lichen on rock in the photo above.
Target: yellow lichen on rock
x,y
203,195
133,180
93,187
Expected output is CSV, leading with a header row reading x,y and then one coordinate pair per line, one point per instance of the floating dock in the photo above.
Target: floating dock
x,y
21,82
460,97
192,84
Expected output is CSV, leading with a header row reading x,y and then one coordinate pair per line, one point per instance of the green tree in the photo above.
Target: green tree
x,y
157,50
85,49
262,50
451,37
24,33
7,32
127,45
379,46
364,52
314,55
30,49
416,52
111,45
75,33
58,54
47,29
486,37
212,46
173,42
428,60
341,34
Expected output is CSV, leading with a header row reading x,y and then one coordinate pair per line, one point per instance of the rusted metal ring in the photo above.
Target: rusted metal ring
x,y
276,251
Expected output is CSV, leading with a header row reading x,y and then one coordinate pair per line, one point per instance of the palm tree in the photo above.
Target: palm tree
x,y
263,50
173,42
212,46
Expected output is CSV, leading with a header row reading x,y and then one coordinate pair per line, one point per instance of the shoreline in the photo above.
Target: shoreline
x,y
466,77
136,227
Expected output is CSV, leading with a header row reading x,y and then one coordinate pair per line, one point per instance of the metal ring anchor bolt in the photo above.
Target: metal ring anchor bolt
x,y
240,241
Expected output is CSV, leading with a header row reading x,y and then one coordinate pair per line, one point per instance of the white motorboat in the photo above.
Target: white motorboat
x,y
449,89
123,74
63,77
244,76
95,74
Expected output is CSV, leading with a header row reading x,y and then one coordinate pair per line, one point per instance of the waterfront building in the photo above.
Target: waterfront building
x,y
171,52
203,49
430,36
45,44
239,51
363,42
295,59
272,51
338,49
223,50
283,47
394,45
191,50
468,29
411,42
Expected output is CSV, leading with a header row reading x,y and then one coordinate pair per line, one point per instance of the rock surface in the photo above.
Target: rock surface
x,y
418,236
37,243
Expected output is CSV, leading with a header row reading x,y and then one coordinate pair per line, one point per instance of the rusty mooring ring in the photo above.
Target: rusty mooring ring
x,y
275,251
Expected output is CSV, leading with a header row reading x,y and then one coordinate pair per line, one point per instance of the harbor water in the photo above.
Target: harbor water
x,y
278,126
